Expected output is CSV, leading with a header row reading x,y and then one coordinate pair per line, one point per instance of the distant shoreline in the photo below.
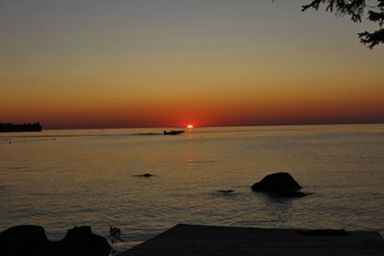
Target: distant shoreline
x,y
26,127
212,126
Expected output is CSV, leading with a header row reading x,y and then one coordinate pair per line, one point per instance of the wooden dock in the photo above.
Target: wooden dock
x,y
193,240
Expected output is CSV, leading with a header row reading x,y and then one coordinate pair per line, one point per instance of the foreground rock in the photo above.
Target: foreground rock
x,y
279,184
29,240
23,240
81,241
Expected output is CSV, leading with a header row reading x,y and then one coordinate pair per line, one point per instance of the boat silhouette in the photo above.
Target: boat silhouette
x,y
173,132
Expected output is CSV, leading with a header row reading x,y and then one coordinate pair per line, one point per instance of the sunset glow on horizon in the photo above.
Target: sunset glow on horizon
x,y
177,63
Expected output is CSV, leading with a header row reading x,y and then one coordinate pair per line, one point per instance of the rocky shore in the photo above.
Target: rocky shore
x,y
30,240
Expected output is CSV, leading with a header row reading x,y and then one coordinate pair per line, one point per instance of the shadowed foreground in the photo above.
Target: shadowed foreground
x,y
31,240
207,240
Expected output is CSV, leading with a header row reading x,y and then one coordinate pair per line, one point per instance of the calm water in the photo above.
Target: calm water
x,y
62,178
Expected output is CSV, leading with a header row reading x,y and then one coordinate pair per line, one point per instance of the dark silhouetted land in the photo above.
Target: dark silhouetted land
x,y
10,127
207,240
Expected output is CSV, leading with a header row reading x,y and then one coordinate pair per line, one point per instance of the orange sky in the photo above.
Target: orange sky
x,y
139,64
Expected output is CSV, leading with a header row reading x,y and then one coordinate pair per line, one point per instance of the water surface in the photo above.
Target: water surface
x,y
62,178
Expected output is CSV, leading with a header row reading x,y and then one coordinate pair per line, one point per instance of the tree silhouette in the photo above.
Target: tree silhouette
x,y
356,10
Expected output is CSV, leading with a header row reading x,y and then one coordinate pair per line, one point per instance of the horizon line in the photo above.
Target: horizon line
x,y
211,126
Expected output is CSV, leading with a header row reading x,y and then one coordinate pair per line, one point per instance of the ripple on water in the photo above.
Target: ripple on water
x,y
89,181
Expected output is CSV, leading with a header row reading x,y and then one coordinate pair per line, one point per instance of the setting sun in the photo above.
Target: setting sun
x,y
190,126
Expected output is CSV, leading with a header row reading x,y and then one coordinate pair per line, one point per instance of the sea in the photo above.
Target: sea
x,y
64,178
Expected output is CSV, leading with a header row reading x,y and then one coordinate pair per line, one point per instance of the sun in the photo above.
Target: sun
x,y
190,126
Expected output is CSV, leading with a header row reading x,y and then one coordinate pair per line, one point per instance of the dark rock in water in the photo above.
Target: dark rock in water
x,y
226,191
23,240
145,175
29,240
281,184
281,181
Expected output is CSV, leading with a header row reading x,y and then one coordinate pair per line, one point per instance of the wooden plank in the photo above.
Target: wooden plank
x,y
191,240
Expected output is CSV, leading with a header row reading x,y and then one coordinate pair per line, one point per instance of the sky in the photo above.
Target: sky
x,y
167,63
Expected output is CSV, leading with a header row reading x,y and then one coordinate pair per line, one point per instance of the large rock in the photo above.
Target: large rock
x,y
29,240
281,183
23,240
82,242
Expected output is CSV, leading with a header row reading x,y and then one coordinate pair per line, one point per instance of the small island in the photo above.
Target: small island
x,y
27,127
